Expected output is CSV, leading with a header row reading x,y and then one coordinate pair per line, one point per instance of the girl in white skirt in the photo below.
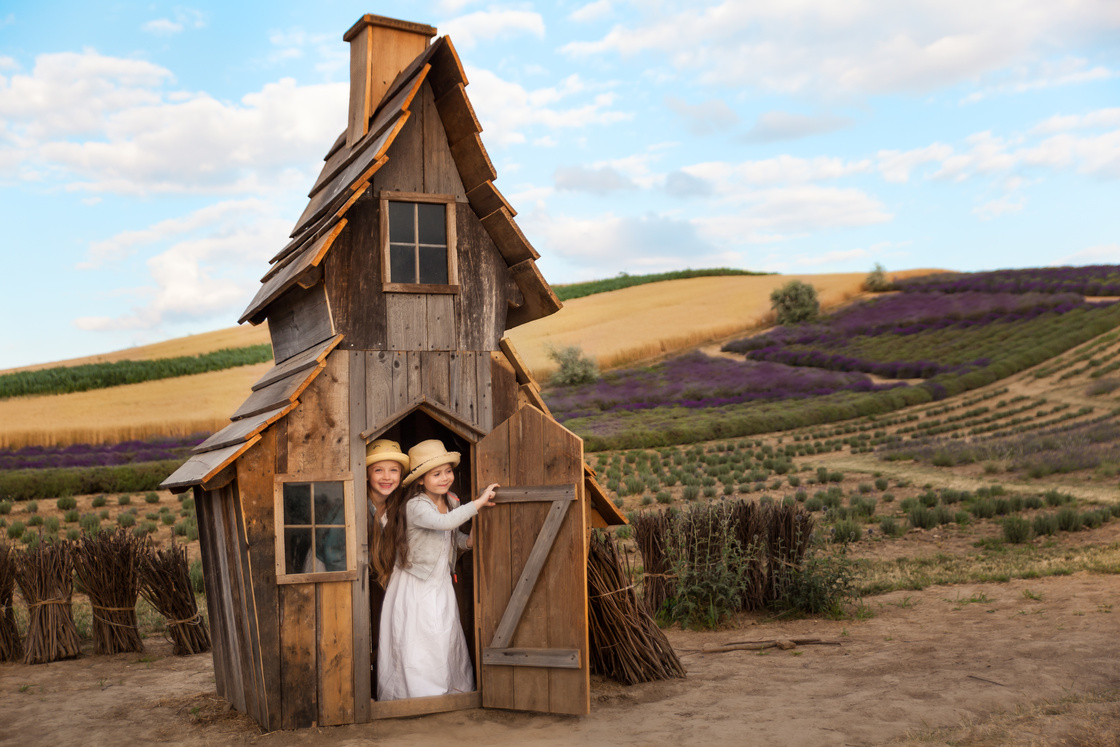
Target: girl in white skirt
x,y
422,649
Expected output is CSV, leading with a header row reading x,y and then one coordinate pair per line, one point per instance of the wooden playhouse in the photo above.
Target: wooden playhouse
x,y
387,312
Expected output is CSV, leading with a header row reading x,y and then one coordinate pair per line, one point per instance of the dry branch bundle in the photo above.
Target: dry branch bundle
x,y
651,532
626,644
11,649
107,565
165,582
45,574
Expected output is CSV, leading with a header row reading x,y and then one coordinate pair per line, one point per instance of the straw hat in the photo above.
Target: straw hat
x,y
428,455
384,450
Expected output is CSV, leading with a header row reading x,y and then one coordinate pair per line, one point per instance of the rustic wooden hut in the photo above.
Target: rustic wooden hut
x,y
387,312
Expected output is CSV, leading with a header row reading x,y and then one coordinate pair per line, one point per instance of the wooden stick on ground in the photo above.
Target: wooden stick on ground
x,y
783,643
11,649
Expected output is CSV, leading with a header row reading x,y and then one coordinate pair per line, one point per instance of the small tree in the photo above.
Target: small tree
x,y
795,302
574,368
876,280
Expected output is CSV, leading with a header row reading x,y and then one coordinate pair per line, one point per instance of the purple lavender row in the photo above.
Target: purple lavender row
x,y
93,455
699,381
1093,280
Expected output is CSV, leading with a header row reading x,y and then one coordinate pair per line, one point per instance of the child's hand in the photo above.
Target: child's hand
x,y
487,497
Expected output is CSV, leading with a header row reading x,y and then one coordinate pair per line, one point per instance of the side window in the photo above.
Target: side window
x,y
418,243
314,533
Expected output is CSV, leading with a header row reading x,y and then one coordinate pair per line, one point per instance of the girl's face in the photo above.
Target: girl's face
x,y
437,481
384,477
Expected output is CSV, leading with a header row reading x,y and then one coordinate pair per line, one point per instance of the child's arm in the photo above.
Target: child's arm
x,y
421,513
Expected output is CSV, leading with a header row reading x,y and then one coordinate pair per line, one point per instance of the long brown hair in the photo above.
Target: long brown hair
x,y
392,549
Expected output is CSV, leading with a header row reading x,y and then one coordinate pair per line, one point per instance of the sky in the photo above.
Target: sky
x,y
154,156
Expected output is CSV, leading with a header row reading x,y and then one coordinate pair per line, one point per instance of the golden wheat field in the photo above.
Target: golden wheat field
x,y
641,323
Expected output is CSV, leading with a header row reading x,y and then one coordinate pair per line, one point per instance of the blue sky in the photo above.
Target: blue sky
x,y
153,156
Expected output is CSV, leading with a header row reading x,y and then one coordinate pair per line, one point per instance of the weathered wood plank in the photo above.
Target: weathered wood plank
x,y
400,397
442,324
300,693
353,280
495,576
565,574
483,294
298,320
463,384
241,431
552,658
535,494
520,368
255,701
599,502
307,359
538,298
287,276
277,394
424,706
237,663
509,239
408,321
414,372
457,115
318,436
503,387
256,472
435,374
447,71
379,387
215,589
336,654
485,199
484,401
202,467
440,173
404,172
360,591
473,162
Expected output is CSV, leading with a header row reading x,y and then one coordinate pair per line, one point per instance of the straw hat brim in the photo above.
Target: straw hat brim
x,y
451,457
400,459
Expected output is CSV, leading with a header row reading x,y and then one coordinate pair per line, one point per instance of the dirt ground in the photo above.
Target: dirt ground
x,y
928,667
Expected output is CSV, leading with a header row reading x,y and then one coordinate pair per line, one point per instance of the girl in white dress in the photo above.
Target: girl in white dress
x,y
422,649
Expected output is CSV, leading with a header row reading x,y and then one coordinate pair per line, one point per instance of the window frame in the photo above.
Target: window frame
x,y
452,285
351,572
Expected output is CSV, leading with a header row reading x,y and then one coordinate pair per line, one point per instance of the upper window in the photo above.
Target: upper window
x,y
418,242
314,535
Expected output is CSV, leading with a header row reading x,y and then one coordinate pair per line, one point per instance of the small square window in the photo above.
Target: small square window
x,y
315,536
418,243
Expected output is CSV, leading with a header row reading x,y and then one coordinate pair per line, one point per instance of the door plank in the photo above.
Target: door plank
x,y
552,658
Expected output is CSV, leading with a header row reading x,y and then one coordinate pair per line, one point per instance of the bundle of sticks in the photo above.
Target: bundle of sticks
x,y
45,574
11,649
651,532
165,582
626,644
107,565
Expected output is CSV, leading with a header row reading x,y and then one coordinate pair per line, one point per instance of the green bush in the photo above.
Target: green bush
x,y
73,534
197,585
847,530
795,302
1016,530
90,523
881,483
1069,519
5,507
124,500
876,280
710,576
822,585
71,516
51,524
16,530
66,503
31,507
98,501
921,517
126,520
1045,524
573,368
35,521
151,497
889,527
28,484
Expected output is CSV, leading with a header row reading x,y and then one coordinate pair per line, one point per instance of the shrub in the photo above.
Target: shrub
x,y
73,534
52,524
814,504
663,496
1054,498
90,523
1069,519
876,280
690,492
5,507
31,507
847,531
124,499
889,527
126,520
197,585
35,521
71,516
963,518
711,576
1045,524
1016,530
66,503
887,497
983,509
15,531
881,483
822,585
921,517
795,302
1091,519
573,368
98,501
794,481
151,497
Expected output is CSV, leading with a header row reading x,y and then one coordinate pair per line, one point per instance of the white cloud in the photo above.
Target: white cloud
x,y
482,26
706,117
832,257
507,110
777,125
729,178
183,18
1063,123
1065,72
162,27
854,48
594,11
896,166
595,180
205,267
1005,205
129,136
1101,254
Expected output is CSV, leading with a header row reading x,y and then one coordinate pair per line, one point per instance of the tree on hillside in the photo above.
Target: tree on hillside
x,y
795,302
876,280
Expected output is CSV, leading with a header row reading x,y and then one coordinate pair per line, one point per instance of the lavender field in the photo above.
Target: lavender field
x,y
929,341
99,455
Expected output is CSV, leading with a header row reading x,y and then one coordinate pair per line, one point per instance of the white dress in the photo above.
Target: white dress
x,y
422,650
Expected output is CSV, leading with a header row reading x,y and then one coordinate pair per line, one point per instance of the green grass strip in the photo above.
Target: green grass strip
x,y
590,288
67,379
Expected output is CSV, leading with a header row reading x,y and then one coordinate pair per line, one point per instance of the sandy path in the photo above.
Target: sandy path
x,y
926,659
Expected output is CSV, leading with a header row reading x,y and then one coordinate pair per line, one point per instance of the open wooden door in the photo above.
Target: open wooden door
x,y
532,573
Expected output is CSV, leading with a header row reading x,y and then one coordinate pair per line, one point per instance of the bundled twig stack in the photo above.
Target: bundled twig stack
x,y
749,521
45,574
10,647
651,532
107,565
789,531
626,644
165,582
